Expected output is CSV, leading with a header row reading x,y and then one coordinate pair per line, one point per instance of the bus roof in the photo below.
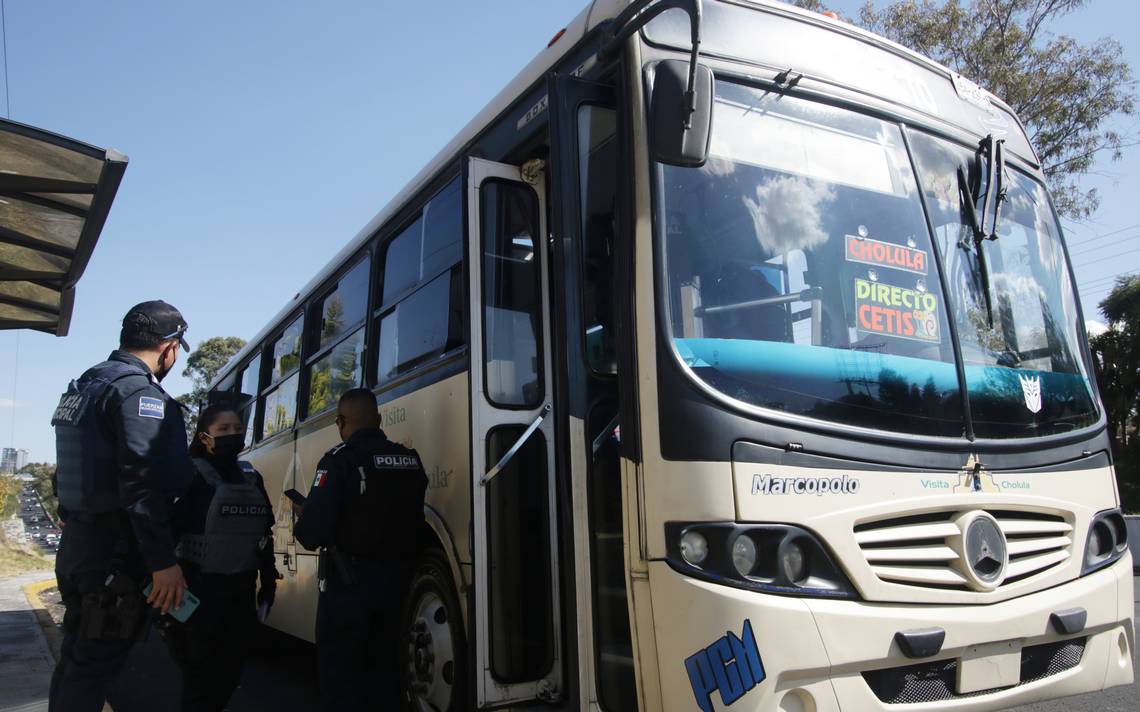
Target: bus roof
x,y
595,13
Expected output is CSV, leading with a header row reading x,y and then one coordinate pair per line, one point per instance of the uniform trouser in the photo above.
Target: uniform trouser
x,y
358,638
211,647
86,667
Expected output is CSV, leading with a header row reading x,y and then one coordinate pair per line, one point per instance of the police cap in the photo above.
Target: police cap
x,y
158,319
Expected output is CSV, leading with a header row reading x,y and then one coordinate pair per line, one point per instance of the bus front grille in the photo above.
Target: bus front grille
x,y
935,681
926,550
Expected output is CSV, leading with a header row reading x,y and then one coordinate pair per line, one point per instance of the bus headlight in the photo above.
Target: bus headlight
x,y
1106,542
744,555
694,547
774,558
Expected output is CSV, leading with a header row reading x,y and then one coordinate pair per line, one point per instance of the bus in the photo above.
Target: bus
x,y
742,350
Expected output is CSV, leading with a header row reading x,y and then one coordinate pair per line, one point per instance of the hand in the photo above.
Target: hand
x,y
166,590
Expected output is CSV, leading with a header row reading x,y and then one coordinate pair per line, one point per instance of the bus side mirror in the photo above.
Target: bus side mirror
x,y
680,127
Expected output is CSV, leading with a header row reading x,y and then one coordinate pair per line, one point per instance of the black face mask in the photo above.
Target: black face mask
x,y
164,372
227,447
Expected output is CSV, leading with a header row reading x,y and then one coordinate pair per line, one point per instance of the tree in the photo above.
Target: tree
x,y
201,367
1066,94
1116,353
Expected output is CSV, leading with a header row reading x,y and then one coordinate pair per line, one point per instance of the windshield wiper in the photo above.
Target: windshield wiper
x,y
990,161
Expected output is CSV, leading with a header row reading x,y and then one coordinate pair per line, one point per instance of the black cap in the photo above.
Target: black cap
x,y
157,318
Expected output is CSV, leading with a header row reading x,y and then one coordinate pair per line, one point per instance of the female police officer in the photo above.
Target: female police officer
x,y
226,538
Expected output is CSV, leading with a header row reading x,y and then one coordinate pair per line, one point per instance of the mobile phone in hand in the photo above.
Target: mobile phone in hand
x,y
295,497
181,613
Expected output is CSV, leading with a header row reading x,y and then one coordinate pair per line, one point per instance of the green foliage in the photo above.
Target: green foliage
x,y
9,502
1067,94
201,367
1116,353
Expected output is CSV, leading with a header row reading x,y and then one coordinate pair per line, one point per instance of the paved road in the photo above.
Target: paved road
x,y
25,661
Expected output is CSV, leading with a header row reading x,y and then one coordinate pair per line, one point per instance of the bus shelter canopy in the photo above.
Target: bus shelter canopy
x,y
55,194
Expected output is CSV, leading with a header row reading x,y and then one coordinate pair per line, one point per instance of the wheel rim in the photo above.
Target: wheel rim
x,y
430,665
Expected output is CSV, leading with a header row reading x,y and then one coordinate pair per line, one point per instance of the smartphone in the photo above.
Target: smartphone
x,y
182,613
295,497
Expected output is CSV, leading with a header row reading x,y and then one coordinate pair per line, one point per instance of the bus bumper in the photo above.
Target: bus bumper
x,y
720,646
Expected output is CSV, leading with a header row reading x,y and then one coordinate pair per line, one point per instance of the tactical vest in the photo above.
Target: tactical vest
x,y
236,524
87,475
382,515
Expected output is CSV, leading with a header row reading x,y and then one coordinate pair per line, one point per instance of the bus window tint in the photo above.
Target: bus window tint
x,y
443,231
402,261
287,351
511,294
336,372
250,383
425,258
597,170
344,308
280,408
799,270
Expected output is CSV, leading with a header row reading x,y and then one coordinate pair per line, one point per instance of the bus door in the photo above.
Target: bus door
x,y
517,611
585,150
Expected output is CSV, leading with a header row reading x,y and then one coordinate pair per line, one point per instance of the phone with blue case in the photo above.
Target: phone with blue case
x,y
182,613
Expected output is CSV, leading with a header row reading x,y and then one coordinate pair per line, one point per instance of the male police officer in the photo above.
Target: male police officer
x,y
121,461
364,509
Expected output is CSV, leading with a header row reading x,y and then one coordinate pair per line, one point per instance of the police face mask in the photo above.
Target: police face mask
x,y
163,369
227,447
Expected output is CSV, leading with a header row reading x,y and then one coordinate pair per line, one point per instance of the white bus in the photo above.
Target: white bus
x,y
748,374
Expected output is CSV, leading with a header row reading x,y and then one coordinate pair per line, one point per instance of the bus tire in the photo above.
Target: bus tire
x,y
433,650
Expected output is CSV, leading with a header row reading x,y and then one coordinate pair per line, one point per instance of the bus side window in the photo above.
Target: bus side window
x,y
420,319
597,170
249,386
280,408
338,364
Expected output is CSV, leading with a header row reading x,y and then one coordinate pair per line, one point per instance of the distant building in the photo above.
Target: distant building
x,y
12,460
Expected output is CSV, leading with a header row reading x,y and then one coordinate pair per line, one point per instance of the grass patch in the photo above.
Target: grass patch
x,y
15,560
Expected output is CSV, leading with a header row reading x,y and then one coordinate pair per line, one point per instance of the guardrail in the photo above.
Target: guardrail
x,y
1133,523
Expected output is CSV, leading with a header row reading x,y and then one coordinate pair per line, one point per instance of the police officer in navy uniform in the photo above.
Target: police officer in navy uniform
x,y
121,462
225,527
364,510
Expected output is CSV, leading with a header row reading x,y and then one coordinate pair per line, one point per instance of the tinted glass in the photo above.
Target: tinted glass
x,y
799,272
346,306
280,408
249,385
518,549
511,294
597,171
443,230
402,261
422,327
336,372
287,350
1021,347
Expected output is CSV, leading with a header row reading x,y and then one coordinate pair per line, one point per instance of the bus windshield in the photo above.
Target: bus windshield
x,y
800,277
1017,319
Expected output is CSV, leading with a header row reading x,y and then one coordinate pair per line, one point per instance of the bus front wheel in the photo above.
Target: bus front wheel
x,y
433,653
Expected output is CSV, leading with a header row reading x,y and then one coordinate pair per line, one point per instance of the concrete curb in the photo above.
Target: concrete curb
x,y
51,631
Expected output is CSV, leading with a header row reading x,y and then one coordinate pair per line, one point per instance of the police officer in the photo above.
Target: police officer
x,y
225,526
121,459
364,511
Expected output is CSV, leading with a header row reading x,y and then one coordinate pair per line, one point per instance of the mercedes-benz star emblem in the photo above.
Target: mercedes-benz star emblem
x,y
985,551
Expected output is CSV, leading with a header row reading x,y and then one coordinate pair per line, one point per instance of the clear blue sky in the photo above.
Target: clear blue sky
x,y
262,136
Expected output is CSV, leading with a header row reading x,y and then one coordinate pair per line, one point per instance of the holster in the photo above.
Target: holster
x,y
115,610
336,559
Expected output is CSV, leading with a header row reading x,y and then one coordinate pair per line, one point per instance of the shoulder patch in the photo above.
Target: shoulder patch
x,y
396,462
152,407
321,477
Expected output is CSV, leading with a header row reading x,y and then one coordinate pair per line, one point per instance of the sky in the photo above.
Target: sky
x,y
263,136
